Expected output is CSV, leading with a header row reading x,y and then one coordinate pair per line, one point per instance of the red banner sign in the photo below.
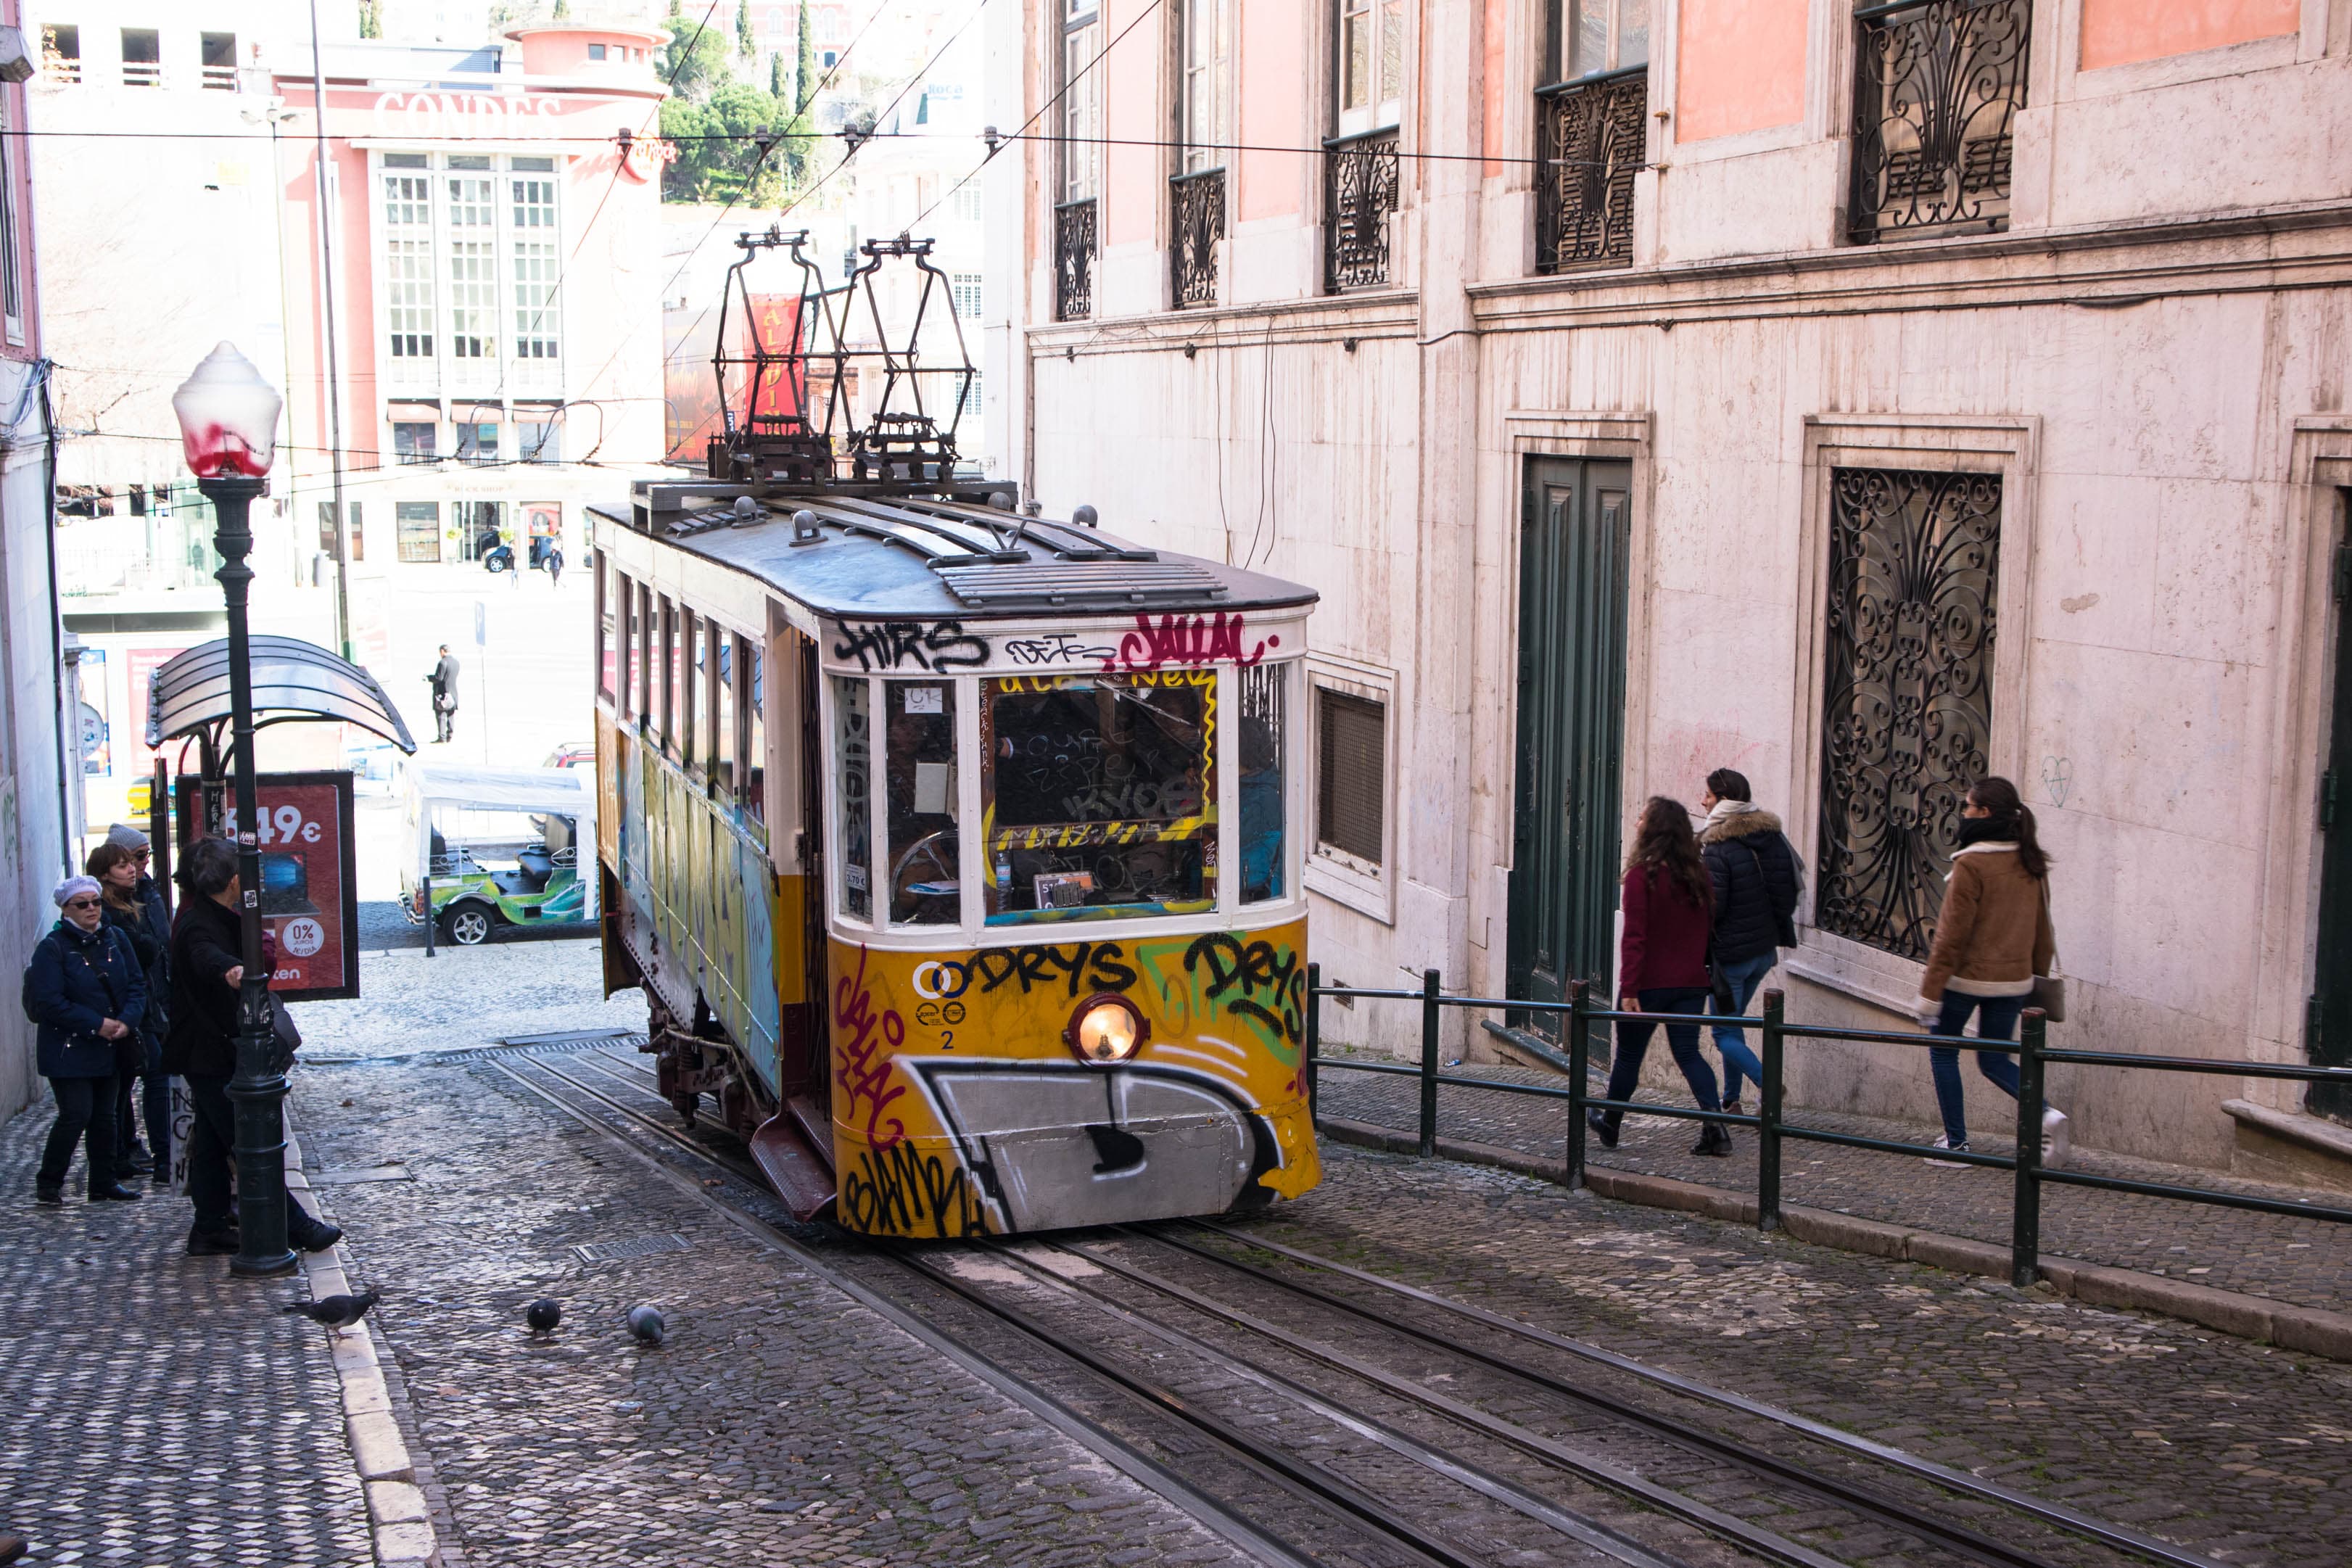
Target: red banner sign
x,y
309,877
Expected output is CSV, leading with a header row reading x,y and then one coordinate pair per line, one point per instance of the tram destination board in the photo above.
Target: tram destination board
x,y
310,875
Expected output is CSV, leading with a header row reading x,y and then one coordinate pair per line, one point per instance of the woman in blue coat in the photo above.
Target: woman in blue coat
x,y
84,989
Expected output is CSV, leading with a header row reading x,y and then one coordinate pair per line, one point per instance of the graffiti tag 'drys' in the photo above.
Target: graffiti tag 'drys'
x,y
994,1126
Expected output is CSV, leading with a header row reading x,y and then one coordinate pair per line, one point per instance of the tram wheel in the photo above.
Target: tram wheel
x,y
467,925
686,1101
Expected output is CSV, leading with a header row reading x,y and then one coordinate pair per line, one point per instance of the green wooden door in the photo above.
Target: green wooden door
x,y
2331,997
1575,531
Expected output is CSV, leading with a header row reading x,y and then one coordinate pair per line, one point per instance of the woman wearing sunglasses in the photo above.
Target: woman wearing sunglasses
x,y
83,988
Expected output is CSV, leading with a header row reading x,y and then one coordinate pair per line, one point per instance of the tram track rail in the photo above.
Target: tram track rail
x,y
1300,1479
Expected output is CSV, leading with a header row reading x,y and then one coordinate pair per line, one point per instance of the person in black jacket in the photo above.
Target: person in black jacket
x,y
207,968
154,1084
119,909
84,989
1757,880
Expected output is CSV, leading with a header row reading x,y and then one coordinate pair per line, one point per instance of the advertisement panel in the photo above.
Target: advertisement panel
x,y
310,881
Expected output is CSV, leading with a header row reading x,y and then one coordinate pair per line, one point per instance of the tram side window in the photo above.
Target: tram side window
x,y
1265,690
755,733
608,656
919,749
641,663
664,634
1102,792
721,744
852,749
689,687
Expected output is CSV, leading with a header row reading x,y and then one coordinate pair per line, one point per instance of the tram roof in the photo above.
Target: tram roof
x,y
879,555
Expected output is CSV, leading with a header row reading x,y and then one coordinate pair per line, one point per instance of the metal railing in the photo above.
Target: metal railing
x,y
1591,138
1937,88
142,73
1361,177
1196,229
1074,260
2031,1052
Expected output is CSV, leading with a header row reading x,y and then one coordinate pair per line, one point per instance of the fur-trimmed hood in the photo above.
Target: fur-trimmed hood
x,y
1739,826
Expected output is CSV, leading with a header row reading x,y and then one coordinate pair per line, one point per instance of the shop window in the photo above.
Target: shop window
x,y
1351,762
418,523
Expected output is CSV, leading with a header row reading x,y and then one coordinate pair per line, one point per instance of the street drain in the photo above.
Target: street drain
x,y
639,1246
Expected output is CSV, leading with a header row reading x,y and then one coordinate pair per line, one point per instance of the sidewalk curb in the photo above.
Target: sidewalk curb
x,y
403,1534
2310,1329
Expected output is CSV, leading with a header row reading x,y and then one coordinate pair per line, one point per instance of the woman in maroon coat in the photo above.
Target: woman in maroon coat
x,y
1669,904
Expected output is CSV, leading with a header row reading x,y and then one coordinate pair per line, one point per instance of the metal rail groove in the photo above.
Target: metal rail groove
x,y
1146,1471
2119,1537
1277,1467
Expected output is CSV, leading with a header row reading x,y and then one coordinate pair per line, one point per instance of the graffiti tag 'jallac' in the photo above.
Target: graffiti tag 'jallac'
x,y
863,1079
1186,641
891,645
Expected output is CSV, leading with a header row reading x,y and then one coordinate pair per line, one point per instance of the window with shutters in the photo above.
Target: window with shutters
x,y
1350,777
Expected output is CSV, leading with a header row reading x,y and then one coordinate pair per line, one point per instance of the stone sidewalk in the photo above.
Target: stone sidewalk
x,y
2307,1262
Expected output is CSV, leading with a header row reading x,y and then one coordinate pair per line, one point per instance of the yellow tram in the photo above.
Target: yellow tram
x,y
955,847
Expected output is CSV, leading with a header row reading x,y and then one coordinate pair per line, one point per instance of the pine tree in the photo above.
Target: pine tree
x,y
804,65
743,44
371,24
563,10
776,88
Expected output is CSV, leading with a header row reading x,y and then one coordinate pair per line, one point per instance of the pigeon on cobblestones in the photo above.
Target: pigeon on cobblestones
x,y
543,1315
646,1322
335,1311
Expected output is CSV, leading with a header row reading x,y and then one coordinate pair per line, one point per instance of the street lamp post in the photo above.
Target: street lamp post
x,y
228,428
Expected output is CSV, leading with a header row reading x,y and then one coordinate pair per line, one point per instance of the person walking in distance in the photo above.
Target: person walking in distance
x,y
207,968
555,566
1753,869
1992,938
1661,962
84,990
445,695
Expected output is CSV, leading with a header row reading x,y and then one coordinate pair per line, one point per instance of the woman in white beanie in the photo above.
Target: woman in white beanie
x,y
84,989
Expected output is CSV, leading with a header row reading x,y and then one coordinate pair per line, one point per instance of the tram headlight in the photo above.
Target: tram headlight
x,y
1107,1030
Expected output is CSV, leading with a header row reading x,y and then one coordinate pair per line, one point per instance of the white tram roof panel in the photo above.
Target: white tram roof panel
x,y
925,557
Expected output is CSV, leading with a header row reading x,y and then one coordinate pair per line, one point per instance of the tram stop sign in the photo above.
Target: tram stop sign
x,y
309,881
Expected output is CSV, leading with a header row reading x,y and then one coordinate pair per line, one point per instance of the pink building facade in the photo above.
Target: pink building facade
x,y
1658,385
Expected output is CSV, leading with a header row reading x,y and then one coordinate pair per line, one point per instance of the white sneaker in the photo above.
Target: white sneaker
x,y
2056,1138
1944,1142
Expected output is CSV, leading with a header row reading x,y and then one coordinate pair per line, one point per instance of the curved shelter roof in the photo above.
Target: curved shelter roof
x,y
292,681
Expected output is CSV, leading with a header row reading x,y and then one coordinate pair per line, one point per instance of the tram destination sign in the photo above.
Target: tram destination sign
x,y
310,875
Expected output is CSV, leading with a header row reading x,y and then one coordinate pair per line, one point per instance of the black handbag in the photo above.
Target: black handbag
x,y
284,1038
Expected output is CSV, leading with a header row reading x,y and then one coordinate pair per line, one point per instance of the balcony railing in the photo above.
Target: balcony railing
x,y
415,459
1937,85
142,73
1591,136
1197,210
1361,177
1073,260
221,78
61,67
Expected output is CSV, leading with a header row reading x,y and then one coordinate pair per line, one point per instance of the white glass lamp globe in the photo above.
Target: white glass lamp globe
x,y
228,417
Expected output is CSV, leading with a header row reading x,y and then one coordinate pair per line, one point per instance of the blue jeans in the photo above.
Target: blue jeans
x,y
1996,1021
1731,1041
1633,1044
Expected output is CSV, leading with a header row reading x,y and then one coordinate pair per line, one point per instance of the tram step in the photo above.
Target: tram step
x,y
815,1126
800,1175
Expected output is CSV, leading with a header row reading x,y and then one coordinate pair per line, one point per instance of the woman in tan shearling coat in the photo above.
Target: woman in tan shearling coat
x,y
1992,938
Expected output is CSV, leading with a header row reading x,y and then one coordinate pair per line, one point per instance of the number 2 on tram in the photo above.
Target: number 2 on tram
x,y
956,855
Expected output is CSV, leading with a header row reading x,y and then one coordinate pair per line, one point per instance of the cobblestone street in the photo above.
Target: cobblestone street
x,y
784,1422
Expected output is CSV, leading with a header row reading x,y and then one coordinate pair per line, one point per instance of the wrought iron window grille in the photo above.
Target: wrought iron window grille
x,y
1591,137
1906,712
1074,260
1937,85
1197,226
1362,176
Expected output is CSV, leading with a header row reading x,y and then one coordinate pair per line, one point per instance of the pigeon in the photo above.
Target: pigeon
x,y
335,1311
646,1322
543,1315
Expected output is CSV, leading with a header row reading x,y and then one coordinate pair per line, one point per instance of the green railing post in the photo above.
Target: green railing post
x,y
2025,1221
1767,1131
1580,1047
1314,1033
1431,1023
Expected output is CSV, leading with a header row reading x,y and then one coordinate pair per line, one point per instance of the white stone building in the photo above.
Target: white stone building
x,y
1577,351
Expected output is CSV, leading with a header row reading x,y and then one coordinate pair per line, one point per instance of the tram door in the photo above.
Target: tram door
x,y
1574,535
810,828
2330,1043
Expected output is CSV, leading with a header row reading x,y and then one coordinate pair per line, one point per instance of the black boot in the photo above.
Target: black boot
x,y
1713,1140
111,1192
1603,1128
49,1192
220,1243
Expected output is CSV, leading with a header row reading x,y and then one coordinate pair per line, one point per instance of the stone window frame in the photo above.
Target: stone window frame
x,y
2006,446
1341,878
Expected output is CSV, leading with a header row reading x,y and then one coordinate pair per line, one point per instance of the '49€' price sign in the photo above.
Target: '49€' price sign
x,y
309,891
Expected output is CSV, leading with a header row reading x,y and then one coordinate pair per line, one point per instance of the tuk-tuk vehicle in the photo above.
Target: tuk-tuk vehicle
x,y
498,848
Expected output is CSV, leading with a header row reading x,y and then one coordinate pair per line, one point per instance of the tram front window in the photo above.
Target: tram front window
x,y
1101,793
853,755
920,717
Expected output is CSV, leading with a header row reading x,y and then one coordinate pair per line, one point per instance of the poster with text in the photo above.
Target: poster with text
x,y
309,883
